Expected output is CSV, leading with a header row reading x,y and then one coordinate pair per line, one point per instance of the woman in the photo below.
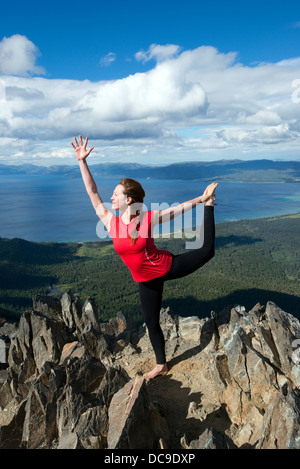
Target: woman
x,y
131,233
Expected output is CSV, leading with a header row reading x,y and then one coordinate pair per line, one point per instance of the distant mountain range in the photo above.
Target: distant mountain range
x,y
223,170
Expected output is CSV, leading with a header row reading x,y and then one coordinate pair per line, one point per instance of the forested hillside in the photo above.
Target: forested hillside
x,y
256,260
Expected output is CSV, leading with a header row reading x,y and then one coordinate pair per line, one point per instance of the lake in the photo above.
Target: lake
x,y
57,208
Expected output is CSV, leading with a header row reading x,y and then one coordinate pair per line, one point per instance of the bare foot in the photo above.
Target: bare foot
x,y
209,192
159,370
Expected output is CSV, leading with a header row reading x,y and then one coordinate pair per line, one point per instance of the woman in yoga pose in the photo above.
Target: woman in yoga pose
x,y
132,235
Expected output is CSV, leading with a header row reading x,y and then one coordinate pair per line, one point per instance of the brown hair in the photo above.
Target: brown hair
x,y
133,189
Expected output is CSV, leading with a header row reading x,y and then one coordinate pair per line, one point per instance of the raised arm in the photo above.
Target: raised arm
x,y
82,153
161,216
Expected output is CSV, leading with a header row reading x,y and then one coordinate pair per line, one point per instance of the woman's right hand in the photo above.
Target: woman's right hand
x,y
80,150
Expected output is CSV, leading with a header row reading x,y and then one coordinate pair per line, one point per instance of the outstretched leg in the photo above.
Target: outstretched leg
x,y
188,262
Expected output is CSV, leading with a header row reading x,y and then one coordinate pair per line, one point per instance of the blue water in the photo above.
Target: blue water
x,y
57,208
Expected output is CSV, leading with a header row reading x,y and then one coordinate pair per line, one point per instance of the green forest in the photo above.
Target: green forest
x,y
255,261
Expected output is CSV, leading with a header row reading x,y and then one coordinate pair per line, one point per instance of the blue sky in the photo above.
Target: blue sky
x,y
151,82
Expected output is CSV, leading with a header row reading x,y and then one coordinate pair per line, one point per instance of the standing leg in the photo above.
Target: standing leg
x,y
151,297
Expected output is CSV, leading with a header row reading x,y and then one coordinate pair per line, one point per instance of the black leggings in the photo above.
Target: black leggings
x,y
182,265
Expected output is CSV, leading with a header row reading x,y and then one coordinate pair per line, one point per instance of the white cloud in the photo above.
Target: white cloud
x,y
137,106
256,136
18,56
240,107
108,59
261,117
158,53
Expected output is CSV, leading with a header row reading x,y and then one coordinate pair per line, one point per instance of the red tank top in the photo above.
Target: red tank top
x,y
144,260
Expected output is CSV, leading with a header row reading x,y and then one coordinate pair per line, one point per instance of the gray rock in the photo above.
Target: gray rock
x,y
56,391
212,439
72,383
83,322
134,422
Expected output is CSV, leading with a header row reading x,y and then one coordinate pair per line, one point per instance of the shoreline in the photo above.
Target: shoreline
x,y
163,236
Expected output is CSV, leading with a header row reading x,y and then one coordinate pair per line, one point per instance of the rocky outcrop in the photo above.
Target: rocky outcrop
x,y
74,382
56,390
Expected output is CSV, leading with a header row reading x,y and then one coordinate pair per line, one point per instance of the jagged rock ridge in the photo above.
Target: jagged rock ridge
x,y
74,382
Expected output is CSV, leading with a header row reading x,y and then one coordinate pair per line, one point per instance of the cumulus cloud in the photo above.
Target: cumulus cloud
x,y
138,106
241,107
18,56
